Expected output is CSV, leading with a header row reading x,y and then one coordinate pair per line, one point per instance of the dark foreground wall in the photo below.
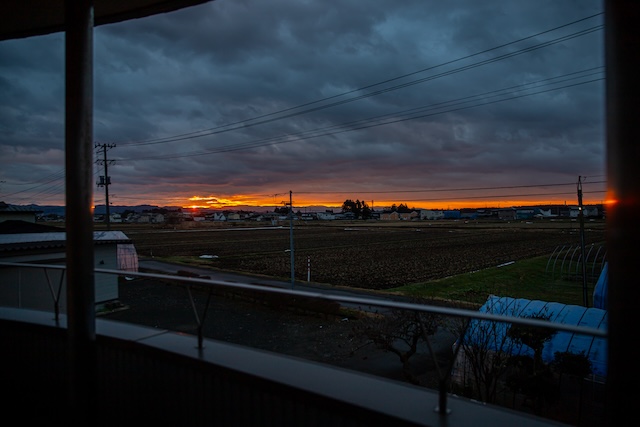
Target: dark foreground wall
x,y
147,376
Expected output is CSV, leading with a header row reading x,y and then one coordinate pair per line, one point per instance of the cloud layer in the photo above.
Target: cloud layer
x,y
244,101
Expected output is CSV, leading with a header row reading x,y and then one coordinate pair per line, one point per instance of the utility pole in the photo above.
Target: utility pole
x,y
293,275
105,180
582,248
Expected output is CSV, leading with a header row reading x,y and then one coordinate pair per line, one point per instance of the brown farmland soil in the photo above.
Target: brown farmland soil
x,y
366,255
370,255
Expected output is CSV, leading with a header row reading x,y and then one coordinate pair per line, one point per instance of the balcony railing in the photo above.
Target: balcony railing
x,y
160,375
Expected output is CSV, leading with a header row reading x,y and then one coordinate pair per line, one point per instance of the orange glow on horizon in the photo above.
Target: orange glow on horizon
x,y
611,199
248,201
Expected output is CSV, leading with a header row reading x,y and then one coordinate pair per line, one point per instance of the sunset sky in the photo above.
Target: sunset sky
x,y
434,104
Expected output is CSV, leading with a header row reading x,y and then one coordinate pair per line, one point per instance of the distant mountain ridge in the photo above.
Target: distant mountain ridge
x,y
99,209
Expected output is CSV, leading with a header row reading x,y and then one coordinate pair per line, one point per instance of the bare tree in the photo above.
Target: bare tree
x,y
484,354
400,332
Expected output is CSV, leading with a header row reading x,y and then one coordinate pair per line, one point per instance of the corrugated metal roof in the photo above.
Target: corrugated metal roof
x,y
54,239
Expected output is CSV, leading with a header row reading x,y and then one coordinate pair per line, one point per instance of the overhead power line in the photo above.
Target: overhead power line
x,y
436,190
57,177
420,112
352,125
477,197
243,124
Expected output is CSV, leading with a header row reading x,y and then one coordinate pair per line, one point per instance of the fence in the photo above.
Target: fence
x,y
448,312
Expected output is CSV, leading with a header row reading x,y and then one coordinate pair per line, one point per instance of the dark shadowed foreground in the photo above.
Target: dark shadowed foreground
x,y
325,339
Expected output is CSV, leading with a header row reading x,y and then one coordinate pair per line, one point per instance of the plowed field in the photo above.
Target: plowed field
x,y
372,255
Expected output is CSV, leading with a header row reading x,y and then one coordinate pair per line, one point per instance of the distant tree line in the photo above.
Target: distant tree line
x,y
402,208
362,211
359,208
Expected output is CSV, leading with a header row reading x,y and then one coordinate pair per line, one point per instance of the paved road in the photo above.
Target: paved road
x,y
152,265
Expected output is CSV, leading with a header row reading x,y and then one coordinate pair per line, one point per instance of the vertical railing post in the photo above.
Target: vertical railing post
x,y
79,213
622,44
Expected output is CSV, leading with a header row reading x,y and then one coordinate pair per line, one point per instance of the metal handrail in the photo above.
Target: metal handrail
x,y
446,311
364,301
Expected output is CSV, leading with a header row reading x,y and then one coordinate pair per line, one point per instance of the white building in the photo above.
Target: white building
x,y
431,214
326,215
37,288
17,213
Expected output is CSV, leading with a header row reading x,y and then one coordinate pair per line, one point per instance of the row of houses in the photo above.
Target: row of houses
x,y
145,217
520,213
507,214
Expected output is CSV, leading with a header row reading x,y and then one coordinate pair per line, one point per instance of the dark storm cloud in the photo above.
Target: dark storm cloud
x,y
225,63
